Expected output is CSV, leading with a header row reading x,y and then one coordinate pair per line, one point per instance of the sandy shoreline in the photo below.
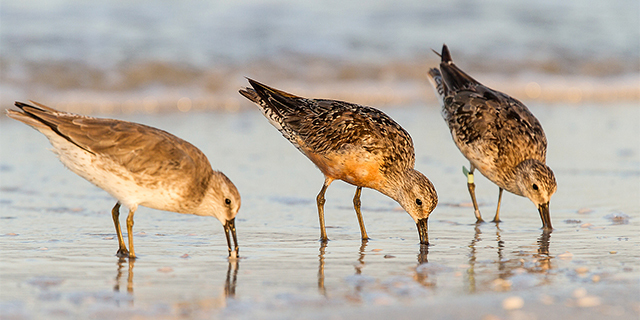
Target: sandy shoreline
x,y
566,90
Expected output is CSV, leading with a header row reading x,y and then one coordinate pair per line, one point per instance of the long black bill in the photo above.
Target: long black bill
x,y
423,231
230,231
544,215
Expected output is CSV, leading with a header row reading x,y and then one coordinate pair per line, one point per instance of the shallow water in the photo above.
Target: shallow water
x,y
58,241
202,34
114,56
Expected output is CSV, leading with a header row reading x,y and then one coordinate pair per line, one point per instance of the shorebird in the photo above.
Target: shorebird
x,y
137,165
356,144
497,134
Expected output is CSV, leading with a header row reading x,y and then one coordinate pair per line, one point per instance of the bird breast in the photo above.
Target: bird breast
x,y
357,168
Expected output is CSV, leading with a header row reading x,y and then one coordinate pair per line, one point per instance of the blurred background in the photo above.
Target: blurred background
x,y
115,56
178,65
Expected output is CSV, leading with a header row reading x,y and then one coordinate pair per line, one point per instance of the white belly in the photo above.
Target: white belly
x,y
114,178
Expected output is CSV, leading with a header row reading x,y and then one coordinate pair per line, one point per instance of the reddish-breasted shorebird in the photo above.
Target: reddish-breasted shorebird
x,y
357,144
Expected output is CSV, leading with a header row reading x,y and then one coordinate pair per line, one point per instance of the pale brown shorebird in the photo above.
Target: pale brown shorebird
x,y
356,144
498,135
137,165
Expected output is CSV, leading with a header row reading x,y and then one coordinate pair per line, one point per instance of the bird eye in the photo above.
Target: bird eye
x,y
535,186
227,201
419,202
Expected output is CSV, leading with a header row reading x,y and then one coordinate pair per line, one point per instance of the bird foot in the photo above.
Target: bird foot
x,y
123,253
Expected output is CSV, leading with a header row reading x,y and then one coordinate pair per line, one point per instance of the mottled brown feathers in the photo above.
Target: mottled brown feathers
x,y
324,126
493,130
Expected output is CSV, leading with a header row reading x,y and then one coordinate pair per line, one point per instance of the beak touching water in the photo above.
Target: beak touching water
x,y
544,215
422,231
230,231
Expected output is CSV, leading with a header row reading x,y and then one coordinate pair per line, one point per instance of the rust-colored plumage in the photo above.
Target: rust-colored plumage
x,y
357,144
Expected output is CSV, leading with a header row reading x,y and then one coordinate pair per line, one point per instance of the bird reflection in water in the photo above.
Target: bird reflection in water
x,y
116,287
232,278
218,301
423,253
543,258
229,284
321,288
358,266
524,261
359,283
423,277
471,273
361,255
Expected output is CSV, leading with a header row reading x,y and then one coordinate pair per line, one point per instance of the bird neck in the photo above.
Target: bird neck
x,y
396,184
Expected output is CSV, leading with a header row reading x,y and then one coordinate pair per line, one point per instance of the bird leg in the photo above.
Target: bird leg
x,y
122,249
356,205
497,217
320,201
132,254
472,191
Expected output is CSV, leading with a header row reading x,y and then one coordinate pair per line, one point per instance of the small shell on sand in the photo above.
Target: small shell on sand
x,y
588,301
512,303
566,255
584,210
579,293
582,270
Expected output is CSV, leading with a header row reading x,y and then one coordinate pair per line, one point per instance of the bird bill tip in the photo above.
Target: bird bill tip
x,y
543,209
423,231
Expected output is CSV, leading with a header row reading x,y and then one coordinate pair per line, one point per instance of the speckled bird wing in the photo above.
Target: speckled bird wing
x,y
492,129
322,127
329,126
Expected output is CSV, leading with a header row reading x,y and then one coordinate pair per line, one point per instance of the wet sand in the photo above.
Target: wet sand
x,y
58,241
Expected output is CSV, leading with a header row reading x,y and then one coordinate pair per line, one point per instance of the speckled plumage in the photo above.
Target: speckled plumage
x,y
357,144
137,165
496,133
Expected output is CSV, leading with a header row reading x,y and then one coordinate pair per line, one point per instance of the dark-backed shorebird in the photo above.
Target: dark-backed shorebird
x,y
356,144
497,134
137,165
